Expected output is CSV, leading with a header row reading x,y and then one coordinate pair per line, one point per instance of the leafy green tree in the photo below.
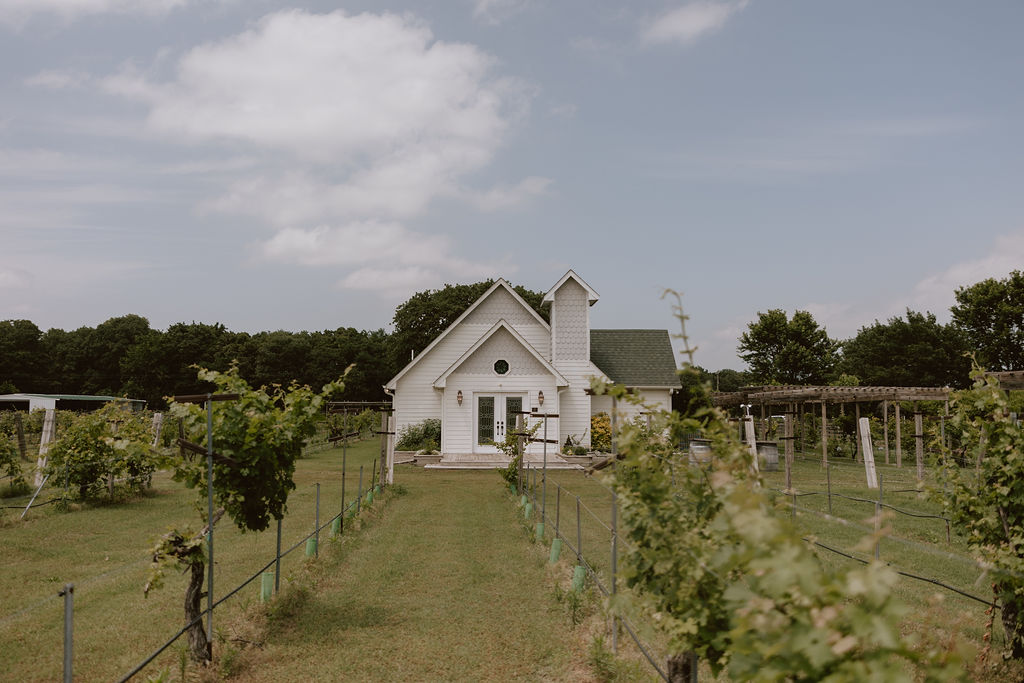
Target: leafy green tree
x,y
162,364
916,351
10,464
67,360
782,350
257,439
111,341
427,314
729,380
991,313
987,499
280,358
728,580
104,451
21,357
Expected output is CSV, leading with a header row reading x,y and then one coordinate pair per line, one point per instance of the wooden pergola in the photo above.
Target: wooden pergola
x,y
1010,379
793,398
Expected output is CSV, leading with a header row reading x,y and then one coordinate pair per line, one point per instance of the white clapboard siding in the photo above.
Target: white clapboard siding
x,y
416,399
458,431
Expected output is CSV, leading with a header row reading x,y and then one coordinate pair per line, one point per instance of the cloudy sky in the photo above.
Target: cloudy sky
x,y
309,165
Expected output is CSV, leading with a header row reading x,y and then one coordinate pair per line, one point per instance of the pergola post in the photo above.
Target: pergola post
x,y
919,442
885,429
899,437
856,433
824,433
788,436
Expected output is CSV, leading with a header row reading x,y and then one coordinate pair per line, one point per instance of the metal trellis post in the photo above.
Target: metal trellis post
x,y
209,519
69,599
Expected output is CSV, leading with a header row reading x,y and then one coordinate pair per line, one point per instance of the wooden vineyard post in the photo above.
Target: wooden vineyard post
x,y
857,435
48,436
864,430
520,440
158,423
899,437
788,437
748,427
22,446
801,416
885,429
824,433
390,454
919,442
383,438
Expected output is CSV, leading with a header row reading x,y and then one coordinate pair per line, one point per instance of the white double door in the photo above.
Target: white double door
x,y
495,416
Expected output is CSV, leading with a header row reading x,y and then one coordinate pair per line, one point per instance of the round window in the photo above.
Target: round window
x,y
501,366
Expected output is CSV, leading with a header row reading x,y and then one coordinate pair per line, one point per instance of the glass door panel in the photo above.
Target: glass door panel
x,y
485,420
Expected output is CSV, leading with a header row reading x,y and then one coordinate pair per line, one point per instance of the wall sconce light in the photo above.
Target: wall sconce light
x,y
540,397
458,397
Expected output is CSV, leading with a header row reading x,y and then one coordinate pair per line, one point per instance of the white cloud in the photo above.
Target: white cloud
x,y
373,117
367,121
354,243
391,257
361,90
688,23
796,150
508,196
392,283
936,292
564,111
58,79
16,12
14,278
933,293
493,12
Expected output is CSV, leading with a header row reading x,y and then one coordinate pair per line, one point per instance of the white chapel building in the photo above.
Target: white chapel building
x,y
500,357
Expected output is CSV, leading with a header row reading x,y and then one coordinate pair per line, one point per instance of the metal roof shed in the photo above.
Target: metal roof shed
x,y
66,401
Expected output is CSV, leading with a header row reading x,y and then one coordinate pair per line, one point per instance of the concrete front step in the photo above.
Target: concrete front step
x,y
471,461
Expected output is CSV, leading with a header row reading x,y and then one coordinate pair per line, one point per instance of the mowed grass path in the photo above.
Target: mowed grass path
x,y
445,585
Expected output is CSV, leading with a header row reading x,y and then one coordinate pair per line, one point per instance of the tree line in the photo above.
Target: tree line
x,y
125,356
910,350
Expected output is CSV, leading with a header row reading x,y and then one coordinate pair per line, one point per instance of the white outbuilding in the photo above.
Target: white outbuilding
x,y
500,357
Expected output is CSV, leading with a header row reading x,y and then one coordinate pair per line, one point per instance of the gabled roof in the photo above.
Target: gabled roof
x,y
561,381
592,296
499,283
636,358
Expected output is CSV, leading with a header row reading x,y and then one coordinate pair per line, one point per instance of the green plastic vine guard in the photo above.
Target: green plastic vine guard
x,y
528,511
310,547
335,526
579,574
266,586
556,550
540,531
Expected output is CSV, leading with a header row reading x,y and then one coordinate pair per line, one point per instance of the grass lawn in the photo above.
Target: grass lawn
x,y
444,586
103,551
439,582
916,545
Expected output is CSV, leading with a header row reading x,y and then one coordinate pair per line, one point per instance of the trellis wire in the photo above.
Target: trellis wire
x,y
577,550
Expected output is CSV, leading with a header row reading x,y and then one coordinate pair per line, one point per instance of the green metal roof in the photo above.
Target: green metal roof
x,y
636,358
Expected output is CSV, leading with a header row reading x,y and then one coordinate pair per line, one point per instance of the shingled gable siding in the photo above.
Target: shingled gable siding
x,y
416,399
476,376
570,325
